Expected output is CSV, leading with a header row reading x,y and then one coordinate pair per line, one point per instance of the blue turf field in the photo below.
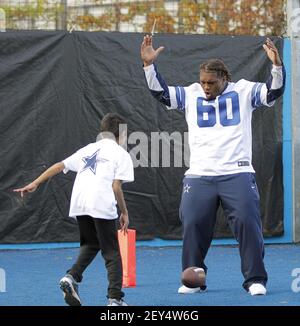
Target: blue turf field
x,y
32,278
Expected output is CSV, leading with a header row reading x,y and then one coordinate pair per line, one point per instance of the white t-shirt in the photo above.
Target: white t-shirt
x,y
98,165
220,135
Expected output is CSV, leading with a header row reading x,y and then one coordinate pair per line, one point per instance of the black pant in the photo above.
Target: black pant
x,y
239,197
100,234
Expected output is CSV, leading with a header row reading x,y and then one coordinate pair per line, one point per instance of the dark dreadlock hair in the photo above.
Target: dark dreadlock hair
x,y
217,66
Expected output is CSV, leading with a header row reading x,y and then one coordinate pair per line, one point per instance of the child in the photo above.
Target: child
x,y
101,168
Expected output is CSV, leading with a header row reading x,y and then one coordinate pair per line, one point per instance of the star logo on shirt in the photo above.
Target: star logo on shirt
x,y
186,188
90,162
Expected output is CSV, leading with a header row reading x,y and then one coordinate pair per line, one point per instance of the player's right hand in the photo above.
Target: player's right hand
x,y
124,222
29,188
148,54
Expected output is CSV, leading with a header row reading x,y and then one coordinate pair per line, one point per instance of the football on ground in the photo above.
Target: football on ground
x,y
193,277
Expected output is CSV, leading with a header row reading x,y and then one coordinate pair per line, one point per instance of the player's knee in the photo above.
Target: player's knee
x,y
247,222
194,226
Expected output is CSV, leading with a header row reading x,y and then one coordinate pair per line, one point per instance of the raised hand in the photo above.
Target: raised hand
x,y
272,52
148,54
29,188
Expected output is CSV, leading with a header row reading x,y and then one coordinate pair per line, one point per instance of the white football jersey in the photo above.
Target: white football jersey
x,y
220,136
97,165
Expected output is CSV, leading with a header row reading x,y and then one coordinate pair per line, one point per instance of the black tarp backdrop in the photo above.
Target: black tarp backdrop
x,y
56,86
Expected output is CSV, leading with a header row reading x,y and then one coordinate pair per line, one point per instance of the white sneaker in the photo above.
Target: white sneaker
x,y
185,290
70,289
257,289
115,302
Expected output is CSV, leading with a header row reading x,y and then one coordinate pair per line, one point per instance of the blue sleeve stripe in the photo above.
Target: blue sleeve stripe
x,y
253,95
272,94
182,91
257,96
178,98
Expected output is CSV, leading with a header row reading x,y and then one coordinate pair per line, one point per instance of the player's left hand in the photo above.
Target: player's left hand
x,y
272,52
124,222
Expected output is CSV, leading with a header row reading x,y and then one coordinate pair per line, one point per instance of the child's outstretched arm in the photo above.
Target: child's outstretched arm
x,y
124,219
31,187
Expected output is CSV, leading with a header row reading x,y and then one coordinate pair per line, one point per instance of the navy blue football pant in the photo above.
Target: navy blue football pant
x,y
239,197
